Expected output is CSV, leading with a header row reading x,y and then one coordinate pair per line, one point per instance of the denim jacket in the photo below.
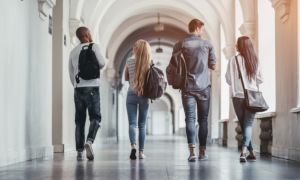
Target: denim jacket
x,y
199,56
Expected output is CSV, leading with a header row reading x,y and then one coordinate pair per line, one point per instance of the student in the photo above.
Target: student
x,y
86,95
135,72
251,73
200,57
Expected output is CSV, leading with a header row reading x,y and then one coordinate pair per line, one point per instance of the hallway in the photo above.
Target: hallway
x,y
166,160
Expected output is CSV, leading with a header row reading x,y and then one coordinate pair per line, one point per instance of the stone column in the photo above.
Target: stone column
x,y
62,89
285,128
229,125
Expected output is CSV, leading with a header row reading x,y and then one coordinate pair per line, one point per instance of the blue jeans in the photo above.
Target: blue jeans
x,y
201,100
86,98
246,119
135,103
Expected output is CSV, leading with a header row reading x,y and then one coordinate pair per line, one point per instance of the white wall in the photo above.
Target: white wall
x,y
26,83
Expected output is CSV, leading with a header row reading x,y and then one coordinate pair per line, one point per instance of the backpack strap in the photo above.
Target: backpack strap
x,y
91,46
182,44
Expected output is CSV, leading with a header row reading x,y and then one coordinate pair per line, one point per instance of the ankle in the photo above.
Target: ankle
x,y
192,148
141,152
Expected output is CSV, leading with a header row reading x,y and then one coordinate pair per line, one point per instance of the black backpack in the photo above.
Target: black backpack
x,y
154,86
176,70
88,66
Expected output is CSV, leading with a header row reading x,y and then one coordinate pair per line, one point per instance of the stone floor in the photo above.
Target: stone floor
x,y
166,159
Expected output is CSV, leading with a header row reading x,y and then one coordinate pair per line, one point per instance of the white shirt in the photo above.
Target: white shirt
x,y
73,65
232,77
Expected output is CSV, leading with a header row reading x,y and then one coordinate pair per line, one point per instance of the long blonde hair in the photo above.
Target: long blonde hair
x,y
142,65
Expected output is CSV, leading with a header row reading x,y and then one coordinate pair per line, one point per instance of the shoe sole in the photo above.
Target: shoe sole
x,y
193,158
243,159
203,159
89,152
133,154
251,160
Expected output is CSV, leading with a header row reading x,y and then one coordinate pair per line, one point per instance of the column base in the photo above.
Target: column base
x,y
292,154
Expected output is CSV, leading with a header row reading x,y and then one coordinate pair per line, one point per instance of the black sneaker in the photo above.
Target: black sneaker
x,y
133,154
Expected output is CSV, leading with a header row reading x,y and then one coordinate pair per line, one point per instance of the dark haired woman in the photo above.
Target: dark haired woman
x,y
251,73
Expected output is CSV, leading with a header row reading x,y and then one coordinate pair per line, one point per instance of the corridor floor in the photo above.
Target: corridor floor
x,y
166,160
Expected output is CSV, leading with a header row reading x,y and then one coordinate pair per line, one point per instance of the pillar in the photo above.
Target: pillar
x,y
62,89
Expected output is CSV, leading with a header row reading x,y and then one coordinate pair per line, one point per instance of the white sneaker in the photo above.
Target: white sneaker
x,y
192,157
80,156
89,150
142,156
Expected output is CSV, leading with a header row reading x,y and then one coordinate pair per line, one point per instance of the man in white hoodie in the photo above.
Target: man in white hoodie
x,y
86,94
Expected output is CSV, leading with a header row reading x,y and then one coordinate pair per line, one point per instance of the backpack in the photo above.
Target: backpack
x,y
154,86
176,70
88,66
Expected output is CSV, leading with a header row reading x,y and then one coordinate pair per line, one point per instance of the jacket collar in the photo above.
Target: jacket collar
x,y
192,35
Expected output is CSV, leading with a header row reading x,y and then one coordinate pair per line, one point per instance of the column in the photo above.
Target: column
x,y
62,90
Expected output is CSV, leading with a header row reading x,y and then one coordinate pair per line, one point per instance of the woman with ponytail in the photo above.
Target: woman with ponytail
x,y
135,72
250,70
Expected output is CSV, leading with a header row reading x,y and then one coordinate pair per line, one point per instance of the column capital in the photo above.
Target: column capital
x,y
73,25
229,51
283,8
248,29
44,7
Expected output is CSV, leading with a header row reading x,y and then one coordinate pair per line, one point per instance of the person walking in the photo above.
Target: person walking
x,y
250,70
200,57
135,71
86,92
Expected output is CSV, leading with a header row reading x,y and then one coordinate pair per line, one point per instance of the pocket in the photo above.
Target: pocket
x,y
144,101
92,96
131,98
185,95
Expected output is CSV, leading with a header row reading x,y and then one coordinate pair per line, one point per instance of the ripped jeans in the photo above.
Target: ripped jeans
x,y
86,98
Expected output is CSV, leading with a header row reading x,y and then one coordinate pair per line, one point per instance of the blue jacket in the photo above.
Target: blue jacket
x,y
199,56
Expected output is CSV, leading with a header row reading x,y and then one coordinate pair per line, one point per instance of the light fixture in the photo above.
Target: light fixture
x,y
159,50
158,27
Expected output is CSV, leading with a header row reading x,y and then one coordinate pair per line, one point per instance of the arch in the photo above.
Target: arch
x,y
149,6
76,9
225,20
172,110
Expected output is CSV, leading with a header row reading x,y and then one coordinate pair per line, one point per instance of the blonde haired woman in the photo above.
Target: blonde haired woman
x,y
135,72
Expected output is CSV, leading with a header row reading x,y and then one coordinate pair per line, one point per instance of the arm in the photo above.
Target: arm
x,y
212,60
99,56
259,76
126,75
71,71
228,73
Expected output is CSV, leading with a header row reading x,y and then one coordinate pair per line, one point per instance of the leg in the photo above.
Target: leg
x,y
203,102
189,106
131,106
94,113
80,117
143,110
248,122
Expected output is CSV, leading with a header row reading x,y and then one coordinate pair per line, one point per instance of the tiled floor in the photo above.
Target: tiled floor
x,y
166,159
